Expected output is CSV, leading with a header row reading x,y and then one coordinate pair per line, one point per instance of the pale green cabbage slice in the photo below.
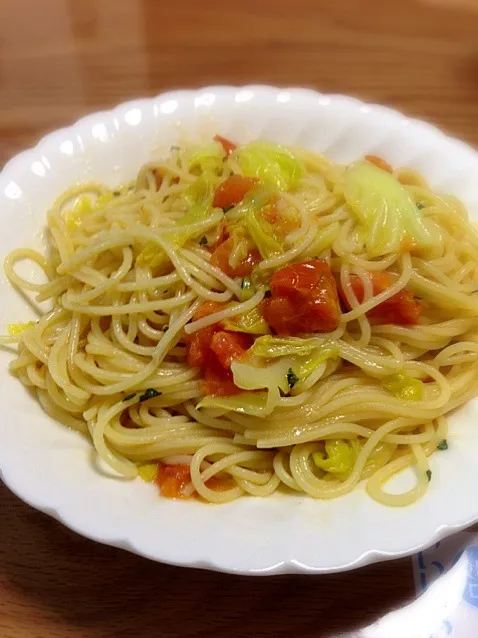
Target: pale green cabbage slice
x,y
387,210
198,197
208,157
259,404
403,386
271,163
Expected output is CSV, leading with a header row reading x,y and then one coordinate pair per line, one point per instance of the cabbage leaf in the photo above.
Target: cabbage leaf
x,y
271,163
251,322
387,210
403,386
252,403
198,198
260,230
257,377
272,346
301,356
206,157
18,328
262,385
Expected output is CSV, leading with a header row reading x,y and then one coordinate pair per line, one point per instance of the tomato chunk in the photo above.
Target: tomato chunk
x,y
379,163
282,220
228,346
217,380
401,309
227,145
208,308
220,259
173,479
303,299
222,235
198,346
232,190
199,342
213,350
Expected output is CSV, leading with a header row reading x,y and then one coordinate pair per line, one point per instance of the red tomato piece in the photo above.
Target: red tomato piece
x,y
220,259
401,309
213,350
295,280
282,221
228,346
222,235
232,190
173,479
198,344
217,381
279,312
208,308
303,299
227,145
270,214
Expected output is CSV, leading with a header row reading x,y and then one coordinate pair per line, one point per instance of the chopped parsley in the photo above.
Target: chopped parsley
x,y
116,193
128,397
443,445
292,378
227,208
203,241
420,205
246,284
429,475
150,393
248,289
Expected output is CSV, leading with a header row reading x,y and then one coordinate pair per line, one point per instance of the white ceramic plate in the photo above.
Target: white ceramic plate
x,y
54,469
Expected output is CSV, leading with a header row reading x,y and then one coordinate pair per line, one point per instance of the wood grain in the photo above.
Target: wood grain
x,y
60,59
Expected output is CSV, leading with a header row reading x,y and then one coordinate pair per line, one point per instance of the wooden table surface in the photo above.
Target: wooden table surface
x,y
60,59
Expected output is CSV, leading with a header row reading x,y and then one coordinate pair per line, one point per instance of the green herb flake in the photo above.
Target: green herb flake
x,y
246,284
420,205
150,393
227,208
203,241
292,378
429,475
128,397
116,193
443,445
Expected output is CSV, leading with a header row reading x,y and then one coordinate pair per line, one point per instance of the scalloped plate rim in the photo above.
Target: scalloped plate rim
x,y
290,565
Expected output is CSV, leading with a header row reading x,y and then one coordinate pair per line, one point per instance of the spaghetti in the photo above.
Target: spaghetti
x,y
243,318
